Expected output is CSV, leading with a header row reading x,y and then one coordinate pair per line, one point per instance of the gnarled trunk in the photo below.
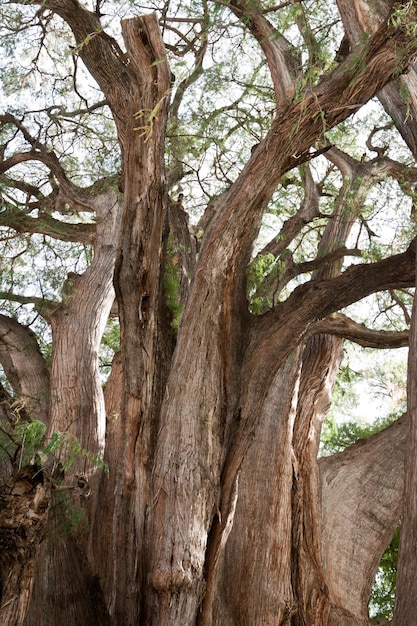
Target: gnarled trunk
x,y
216,509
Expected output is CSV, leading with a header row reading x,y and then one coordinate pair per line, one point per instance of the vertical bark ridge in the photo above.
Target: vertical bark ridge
x,y
406,590
146,342
257,552
77,596
77,404
321,360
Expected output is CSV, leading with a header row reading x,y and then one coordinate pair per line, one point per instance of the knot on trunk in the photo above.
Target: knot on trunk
x,y
170,580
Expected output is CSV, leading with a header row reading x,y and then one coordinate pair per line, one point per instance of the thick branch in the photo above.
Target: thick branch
x,y
361,507
279,53
24,366
359,17
318,298
298,126
101,54
406,593
346,328
47,225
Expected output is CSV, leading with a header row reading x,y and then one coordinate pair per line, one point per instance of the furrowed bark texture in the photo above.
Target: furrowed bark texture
x,y
212,305
406,596
76,597
145,331
76,400
77,410
24,367
212,446
361,505
258,551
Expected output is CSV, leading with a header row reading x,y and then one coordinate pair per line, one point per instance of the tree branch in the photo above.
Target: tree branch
x,y
308,210
346,328
361,498
276,333
298,126
43,307
101,54
280,54
24,366
47,225
79,198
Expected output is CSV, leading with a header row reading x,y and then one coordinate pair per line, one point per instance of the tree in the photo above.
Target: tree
x,y
215,508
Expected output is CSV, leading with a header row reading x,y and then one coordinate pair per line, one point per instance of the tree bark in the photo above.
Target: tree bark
x,y
24,367
406,596
23,522
361,504
212,445
76,593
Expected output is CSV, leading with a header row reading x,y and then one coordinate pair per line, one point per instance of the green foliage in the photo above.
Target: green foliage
x,y
336,437
110,344
172,285
68,450
259,270
70,517
400,17
22,442
383,590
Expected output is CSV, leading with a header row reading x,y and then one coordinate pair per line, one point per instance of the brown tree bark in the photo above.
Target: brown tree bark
x,y
212,436
361,494
23,527
406,598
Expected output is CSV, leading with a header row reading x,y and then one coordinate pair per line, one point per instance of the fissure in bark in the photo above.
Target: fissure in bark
x,y
211,430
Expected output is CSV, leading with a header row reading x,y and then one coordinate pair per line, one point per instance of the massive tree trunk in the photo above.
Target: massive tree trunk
x,y
215,509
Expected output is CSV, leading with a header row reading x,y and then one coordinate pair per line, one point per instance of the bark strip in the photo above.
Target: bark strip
x,y
406,593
